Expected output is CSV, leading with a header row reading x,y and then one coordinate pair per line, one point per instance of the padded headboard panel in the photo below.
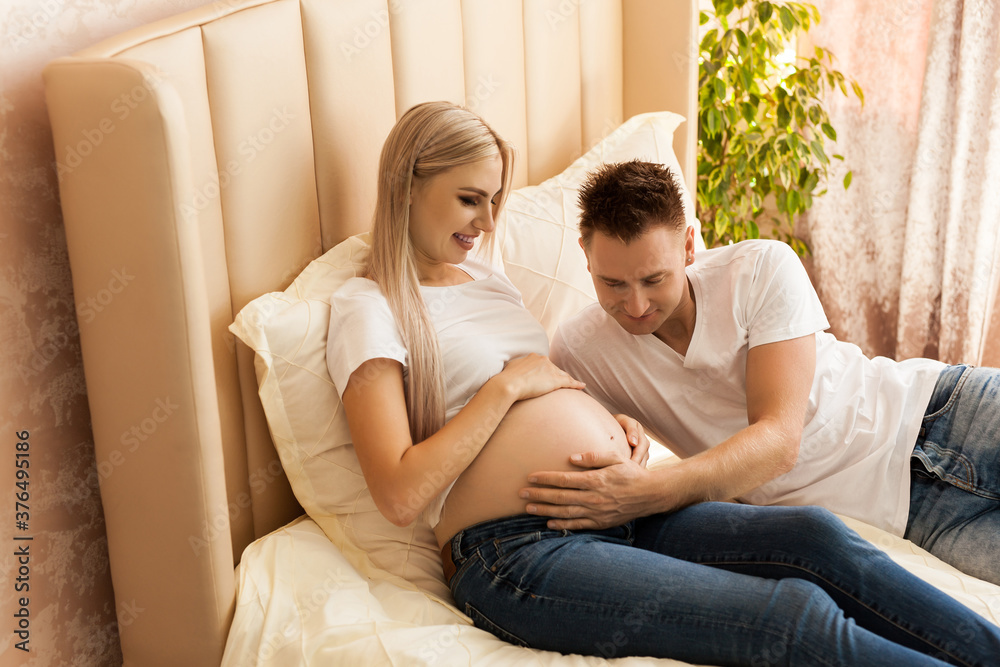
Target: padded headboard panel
x,y
205,159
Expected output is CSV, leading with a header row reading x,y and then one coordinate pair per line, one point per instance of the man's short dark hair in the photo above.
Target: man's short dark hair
x,y
624,199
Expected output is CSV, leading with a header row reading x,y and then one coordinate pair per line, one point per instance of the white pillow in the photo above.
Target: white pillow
x,y
537,231
287,331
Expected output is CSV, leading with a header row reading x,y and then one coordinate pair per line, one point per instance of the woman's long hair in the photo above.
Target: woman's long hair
x,y
427,140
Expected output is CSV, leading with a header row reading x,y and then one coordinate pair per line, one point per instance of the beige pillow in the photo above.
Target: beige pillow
x,y
287,331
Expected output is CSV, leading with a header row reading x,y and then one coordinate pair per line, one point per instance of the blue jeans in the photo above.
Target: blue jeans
x,y
715,583
955,473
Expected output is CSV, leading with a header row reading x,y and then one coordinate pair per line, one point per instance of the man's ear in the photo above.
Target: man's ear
x,y
580,241
689,246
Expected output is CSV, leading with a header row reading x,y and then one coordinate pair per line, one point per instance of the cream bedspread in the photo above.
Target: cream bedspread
x,y
302,601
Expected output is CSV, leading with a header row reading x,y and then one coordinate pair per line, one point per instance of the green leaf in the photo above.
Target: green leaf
x,y
720,223
793,141
857,91
847,179
794,202
714,122
783,116
817,149
741,165
709,40
723,7
702,18
800,116
829,131
720,88
741,39
788,21
784,176
764,11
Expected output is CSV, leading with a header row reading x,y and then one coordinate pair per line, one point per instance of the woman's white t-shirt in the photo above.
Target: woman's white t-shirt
x,y
863,415
481,325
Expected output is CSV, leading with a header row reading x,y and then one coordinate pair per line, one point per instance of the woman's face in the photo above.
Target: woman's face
x,y
449,211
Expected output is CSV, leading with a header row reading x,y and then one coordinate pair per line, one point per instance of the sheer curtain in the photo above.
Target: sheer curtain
x,y
906,261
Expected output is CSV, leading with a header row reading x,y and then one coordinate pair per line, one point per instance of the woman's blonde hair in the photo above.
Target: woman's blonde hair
x,y
428,139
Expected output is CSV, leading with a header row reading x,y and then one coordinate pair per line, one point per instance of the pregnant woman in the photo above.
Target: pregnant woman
x,y
451,400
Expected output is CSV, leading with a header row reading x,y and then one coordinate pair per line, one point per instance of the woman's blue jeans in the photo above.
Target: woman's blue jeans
x,y
955,473
715,583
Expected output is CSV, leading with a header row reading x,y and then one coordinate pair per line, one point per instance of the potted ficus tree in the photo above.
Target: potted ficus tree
x,y
763,123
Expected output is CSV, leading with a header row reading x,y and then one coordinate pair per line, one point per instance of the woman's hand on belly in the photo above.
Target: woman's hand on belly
x,y
534,375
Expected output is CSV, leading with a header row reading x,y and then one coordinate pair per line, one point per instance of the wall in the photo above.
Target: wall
x,y
71,613
72,618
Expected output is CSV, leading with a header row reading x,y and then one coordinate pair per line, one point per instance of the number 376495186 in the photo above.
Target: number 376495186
x,y
21,494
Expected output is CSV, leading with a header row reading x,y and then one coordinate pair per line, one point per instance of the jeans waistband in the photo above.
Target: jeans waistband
x,y
486,531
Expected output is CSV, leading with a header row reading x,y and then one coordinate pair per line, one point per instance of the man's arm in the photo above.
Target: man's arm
x,y
779,377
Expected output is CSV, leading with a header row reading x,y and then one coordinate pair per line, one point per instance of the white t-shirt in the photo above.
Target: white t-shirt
x,y
863,414
481,325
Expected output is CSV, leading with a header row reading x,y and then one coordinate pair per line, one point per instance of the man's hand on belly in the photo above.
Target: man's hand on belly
x,y
611,491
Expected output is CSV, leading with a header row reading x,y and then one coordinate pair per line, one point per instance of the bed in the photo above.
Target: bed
x,y
223,160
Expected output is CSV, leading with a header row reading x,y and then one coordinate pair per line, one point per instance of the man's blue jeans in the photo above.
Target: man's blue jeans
x,y
955,481
715,583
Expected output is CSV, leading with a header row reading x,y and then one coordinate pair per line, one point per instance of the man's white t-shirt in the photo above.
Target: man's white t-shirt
x,y
863,415
481,325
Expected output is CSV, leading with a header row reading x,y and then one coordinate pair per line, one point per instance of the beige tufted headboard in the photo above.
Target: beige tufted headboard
x,y
205,159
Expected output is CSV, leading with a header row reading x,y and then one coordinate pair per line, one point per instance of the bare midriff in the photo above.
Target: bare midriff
x,y
536,434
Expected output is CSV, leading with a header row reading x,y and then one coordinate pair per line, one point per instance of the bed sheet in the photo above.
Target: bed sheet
x,y
303,601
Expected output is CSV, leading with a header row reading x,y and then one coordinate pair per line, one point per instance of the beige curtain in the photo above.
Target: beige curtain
x,y
906,261
950,261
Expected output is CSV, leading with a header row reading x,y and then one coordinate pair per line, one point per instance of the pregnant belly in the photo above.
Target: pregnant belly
x,y
536,434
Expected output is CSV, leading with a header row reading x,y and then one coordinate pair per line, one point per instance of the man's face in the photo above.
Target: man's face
x,y
641,284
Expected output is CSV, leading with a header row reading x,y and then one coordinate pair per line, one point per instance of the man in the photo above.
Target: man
x,y
724,358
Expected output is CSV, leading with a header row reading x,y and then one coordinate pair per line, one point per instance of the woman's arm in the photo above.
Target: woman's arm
x,y
403,478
